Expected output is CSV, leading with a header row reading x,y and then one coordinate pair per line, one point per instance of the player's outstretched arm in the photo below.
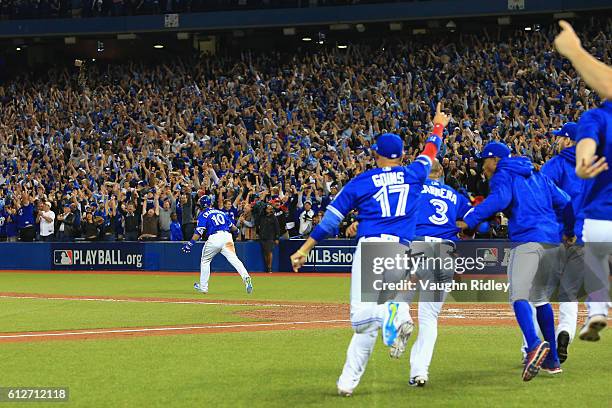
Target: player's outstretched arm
x,y
298,259
187,247
433,142
588,165
595,73
498,200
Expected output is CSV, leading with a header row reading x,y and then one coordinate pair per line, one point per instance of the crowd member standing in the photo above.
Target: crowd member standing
x,y
46,221
25,218
187,208
65,225
131,222
268,231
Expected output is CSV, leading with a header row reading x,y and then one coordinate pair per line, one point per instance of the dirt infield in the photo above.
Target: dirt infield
x,y
272,316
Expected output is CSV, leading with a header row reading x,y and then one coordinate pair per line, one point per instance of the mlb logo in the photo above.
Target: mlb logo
x,y
488,255
63,257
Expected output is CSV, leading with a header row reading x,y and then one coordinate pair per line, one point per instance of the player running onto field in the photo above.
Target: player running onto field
x,y
216,226
386,198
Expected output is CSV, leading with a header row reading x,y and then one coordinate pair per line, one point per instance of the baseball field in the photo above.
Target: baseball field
x,y
149,340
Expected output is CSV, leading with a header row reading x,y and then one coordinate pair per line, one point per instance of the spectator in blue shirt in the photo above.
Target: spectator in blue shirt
x,y
176,234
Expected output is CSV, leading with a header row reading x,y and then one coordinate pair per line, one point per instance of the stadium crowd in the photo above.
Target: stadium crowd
x,y
125,151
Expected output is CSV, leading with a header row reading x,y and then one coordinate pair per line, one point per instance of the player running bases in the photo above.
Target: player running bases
x,y
216,225
386,198
440,206
532,200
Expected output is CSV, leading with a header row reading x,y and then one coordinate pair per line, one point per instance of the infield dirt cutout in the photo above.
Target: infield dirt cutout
x,y
271,316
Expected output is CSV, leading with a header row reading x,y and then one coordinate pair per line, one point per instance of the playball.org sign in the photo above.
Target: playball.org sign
x,y
98,257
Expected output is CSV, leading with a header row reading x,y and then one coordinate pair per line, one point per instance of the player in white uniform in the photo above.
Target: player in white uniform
x,y
386,198
217,226
594,141
593,155
440,207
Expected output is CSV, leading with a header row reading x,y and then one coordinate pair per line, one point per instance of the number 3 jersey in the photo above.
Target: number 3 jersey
x,y
385,198
212,221
439,207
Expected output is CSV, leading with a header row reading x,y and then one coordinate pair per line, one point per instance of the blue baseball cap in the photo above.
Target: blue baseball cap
x,y
495,149
570,129
389,145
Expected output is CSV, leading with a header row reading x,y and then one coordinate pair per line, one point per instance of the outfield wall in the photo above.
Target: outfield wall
x,y
328,256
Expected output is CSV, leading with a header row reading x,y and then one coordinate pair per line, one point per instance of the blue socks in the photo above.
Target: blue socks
x,y
524,317
546,320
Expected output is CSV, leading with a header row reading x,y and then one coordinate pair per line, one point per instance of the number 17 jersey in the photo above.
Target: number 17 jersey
x,y
386,199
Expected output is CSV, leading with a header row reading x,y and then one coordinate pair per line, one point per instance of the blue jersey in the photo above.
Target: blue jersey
x,y
561,169
531,200
385,198
596,124
212,221
439,207
25,216
232,214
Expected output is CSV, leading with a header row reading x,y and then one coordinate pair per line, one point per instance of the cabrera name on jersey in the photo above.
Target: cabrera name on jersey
x,y
385,198
439,208
212,221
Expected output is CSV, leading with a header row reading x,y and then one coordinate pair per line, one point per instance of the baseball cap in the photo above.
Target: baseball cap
x,y
47,203
495,149
570,129
389,145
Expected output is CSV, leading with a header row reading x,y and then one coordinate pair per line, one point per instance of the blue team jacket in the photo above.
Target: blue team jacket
x,y
530,200
561,169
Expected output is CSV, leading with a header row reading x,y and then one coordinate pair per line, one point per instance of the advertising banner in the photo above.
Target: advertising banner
x,y
98,256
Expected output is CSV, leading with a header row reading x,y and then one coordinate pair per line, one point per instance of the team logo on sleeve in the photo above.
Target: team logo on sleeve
x,y
63,257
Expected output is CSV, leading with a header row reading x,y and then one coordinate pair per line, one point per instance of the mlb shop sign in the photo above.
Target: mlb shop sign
x,y
98,256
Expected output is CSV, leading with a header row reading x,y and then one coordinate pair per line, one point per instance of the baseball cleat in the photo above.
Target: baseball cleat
x,y
199,288
552,369
344,393
249,285
399,345
563,341
534,360
592,327
394,314
417,381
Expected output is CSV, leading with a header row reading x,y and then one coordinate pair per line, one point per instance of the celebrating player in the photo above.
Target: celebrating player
x,y
386,198
593,153
216,225
560,169
532,200
439,208
595,140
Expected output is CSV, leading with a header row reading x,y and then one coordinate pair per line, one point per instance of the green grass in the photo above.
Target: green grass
x,y
475,367
41,314
472,366
267,287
